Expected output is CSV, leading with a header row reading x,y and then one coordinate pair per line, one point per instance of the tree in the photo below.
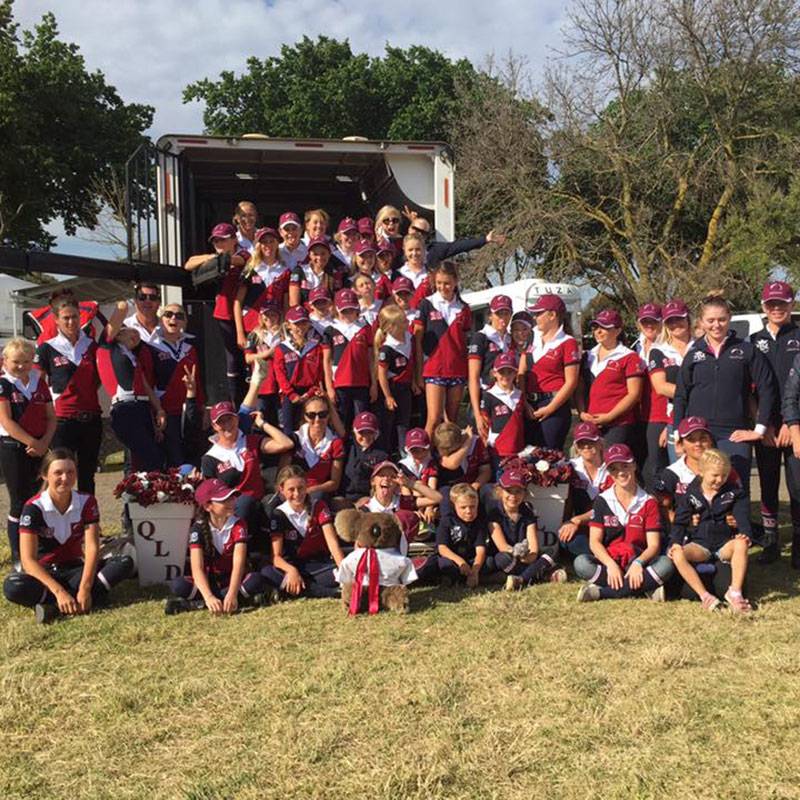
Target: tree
x,y
671,139
63,129
322,89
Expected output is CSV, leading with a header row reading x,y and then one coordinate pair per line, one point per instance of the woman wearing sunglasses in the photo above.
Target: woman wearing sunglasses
x,y
388,226
172,357
319,447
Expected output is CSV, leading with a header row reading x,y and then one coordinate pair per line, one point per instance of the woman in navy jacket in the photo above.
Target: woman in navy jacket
x,y
715,381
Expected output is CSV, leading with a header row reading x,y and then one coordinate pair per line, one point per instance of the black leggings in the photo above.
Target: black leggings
x,y
25,590
656,458
317,574
551,432
234,360
394,424
21,474
535,572
83,438
350,402
133,424
185,587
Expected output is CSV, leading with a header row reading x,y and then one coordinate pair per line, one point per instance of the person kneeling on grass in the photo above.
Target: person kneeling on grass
x,y
624,537
218,557
461,538
512,524
701,531
59,534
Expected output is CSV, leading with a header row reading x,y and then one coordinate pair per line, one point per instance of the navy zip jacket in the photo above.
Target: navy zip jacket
x,y
712,531
439,251
719,388
780,351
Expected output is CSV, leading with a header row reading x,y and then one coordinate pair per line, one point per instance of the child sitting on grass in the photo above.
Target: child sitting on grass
x,y
218,557
512,525
461,538
702,533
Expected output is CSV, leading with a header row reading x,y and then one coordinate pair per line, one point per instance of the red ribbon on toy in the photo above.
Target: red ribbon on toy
x,y
368,560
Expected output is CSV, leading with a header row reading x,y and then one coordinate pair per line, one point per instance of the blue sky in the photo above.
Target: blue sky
x,y
151,49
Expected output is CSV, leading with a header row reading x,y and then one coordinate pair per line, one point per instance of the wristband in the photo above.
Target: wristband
x,y
639,562
760,429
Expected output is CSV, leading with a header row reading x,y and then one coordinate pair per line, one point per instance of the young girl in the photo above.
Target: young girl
x,y
388,226
611,381
663,364
384,259
462,456
265,279
293,251
305,548
651,439
484,347
393,492
347,361
522,324
317,272
550,368
402,291
245,219
317,221
512,527
441,347
224,243
320,313
701,531
171,355
346,239
297,362
503,408
591,478
27,424
60,547
366,230
134,404
716,381
69,360
365,263
414,268
261,346
394,346
319,449
218,557
368,305
624,537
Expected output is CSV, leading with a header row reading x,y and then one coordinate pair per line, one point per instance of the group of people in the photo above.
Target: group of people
x,y
359,352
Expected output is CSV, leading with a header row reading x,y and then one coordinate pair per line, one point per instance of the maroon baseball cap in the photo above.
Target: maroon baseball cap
x,y
649,311
344,299
403,284
505,361
364,247
778,290
418,437
689,425
213,489
607,318
222,231
525,317
675,308
548,302
319,240
347,224
385,246
501,302
365,225
318,293
288,218
385,465
269,307
296,314
513,479
262,232
586,431
222,409
618,454
365,421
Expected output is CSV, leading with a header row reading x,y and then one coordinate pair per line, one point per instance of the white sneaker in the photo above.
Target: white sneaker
x,y
588,593
513,583
659,595
558,576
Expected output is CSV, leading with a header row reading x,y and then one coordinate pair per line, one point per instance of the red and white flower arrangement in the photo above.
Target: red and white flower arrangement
x,y
147,488
541,466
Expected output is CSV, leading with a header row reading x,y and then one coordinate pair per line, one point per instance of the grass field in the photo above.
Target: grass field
x,y
472,695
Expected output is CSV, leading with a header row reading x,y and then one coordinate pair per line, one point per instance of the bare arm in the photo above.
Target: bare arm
x,y
117,318
332,540
91,557
231,601
499,538
662,385
275,440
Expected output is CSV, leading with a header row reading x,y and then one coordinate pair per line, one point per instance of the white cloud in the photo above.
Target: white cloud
x,y
151,49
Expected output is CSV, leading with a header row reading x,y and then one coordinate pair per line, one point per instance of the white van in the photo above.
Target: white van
x,y
524,295
746,324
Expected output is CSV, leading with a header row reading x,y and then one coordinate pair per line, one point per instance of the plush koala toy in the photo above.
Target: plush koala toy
x,y
376,562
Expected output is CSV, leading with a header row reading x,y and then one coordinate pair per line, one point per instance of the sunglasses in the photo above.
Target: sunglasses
x,y
390,220
317,414
420,231
144,297
174,315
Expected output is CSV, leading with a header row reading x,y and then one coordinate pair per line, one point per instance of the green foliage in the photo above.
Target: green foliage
x,y
61,126
322,89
